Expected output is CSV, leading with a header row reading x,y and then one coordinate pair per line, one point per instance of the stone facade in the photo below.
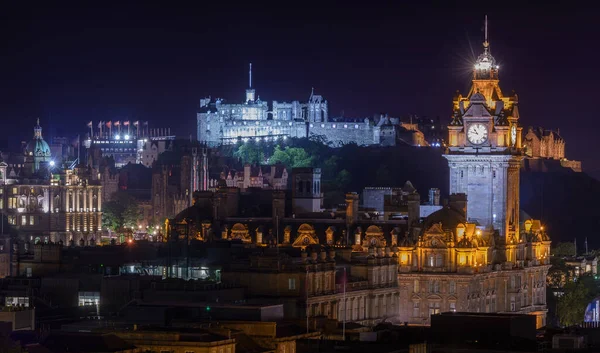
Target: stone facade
x,y
540,143
66,208
274,177
45,202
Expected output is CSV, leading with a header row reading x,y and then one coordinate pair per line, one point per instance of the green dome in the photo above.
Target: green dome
x,y
38,148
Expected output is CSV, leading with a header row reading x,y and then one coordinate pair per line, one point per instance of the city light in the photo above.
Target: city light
x,y
126,137
52,163
117,137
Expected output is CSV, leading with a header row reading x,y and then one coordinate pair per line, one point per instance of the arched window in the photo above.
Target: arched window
x,y
431,260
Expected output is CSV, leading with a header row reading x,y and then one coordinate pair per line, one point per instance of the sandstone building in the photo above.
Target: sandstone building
x,y
547,145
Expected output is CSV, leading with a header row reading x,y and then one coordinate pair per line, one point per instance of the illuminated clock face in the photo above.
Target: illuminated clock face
x,y
513,134
477,134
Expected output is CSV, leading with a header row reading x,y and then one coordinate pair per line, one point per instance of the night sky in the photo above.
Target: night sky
x,y
72,64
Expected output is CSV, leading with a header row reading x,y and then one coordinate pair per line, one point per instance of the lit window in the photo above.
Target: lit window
x,y
434,308
452,306
291,283
1,204
334,126
322,125
356,126
23,220
345,126
15,191
452,287
31,220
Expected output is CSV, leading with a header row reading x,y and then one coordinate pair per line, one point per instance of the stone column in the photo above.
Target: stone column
x,y
99,201
51,199
66,197
77,201
84,200
90,199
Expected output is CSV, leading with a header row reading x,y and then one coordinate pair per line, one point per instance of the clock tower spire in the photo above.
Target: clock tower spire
x,y
484,149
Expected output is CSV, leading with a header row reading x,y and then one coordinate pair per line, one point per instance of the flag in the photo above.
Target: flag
x,y
136,123
109,124
89,124
117,123
126,123
100,124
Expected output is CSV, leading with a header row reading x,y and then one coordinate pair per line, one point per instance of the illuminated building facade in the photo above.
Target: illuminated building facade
x,y
542,144
126,142
47,203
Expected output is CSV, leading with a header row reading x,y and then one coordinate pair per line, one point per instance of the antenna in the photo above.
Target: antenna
x,y
250,75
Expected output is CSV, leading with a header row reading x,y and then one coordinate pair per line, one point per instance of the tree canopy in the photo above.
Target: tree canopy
x,y
121,212
291,157
250,153
577,295
564,249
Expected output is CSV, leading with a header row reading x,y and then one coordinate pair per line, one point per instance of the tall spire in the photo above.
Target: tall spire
x,y
486,44
250,76
485,65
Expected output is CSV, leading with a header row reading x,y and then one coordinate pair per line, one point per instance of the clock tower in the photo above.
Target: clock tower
x,y
484,149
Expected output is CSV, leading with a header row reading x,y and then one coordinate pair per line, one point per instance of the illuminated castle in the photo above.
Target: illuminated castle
x,y
221,123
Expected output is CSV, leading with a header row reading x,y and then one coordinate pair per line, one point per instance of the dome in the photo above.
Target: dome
x,y
38,147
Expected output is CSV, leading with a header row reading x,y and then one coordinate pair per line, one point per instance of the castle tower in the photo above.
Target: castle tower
x,y
484,152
